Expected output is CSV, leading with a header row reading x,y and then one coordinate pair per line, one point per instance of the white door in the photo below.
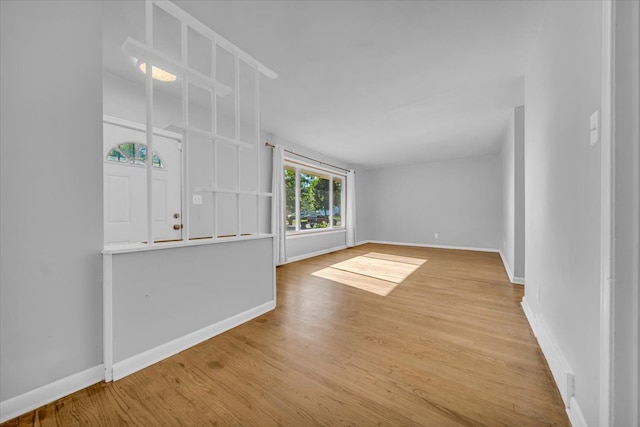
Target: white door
x,y
125,186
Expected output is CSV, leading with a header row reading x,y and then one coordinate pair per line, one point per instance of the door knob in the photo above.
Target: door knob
x,y
177,226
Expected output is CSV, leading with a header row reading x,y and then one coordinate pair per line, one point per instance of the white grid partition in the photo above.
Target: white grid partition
x,y
191,77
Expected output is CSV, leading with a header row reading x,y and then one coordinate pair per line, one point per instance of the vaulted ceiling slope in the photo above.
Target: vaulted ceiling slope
x,y
380,83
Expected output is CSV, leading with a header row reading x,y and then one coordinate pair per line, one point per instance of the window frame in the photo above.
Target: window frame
x,y
302,167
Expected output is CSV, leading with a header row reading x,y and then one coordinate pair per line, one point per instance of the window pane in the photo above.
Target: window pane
x,y
128,149
157,162
142,153
314,201
290,188
337,202
116,156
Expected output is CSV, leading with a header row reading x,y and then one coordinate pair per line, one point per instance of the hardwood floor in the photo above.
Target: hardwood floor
x,y
448,345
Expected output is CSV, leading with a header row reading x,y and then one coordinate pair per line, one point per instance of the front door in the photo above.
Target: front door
x,y
125,186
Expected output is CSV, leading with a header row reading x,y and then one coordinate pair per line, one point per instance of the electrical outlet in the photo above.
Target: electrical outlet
x,y
435,236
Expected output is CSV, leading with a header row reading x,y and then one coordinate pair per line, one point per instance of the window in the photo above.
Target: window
x,y
133,153
315,199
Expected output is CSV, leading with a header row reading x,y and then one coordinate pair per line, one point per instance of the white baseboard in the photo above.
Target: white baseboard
x,y
529,315
40,396
512,279
560,368
140,361
575,414
423,245
312,254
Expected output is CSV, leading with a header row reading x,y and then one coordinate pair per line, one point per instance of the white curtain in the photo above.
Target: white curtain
x,y
351,208
279,206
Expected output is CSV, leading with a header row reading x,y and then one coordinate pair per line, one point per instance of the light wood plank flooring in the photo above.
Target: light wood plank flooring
x,y
437,339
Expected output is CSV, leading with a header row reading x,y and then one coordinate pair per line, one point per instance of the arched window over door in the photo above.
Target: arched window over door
x,y
133,153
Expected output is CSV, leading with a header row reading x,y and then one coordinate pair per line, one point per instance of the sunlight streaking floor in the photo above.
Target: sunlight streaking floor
x,y
373,272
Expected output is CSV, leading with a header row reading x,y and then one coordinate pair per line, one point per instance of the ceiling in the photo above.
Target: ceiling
x,y
380,83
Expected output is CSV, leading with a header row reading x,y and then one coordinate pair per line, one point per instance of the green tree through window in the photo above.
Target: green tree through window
x,y
312,207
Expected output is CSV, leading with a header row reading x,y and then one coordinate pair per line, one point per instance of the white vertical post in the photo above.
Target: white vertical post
x,y
149,119
214,151
107,315
256,106
606,217
215,191
186,191
237,105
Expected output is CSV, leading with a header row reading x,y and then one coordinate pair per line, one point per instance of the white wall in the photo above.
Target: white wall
x,y
51,192
626,402
460,199
519,198
508,197
513,210
182,290
362,205
562,171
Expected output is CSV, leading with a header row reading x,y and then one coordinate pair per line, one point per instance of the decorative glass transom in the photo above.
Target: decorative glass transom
x,y
133,153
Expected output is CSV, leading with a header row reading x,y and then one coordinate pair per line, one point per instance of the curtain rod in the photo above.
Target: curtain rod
x,y
309,158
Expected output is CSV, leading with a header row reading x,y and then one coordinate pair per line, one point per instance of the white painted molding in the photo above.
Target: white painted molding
x,y
512,279
607,216
137,126
312,254
422,245
575,414
315,232
141,247
140,361
529,314
560,369
107,316
33,399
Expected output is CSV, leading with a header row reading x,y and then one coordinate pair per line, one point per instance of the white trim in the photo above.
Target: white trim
x,y
142,128
211,136
606,216
146,53
529,315
424,245
140,361
575,414
512,278
212,35
107,315
315,232
314,254
40,396
230,191
560,368
323,168
141,247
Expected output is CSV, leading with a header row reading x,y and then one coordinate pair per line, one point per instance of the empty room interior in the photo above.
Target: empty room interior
x,y
355,213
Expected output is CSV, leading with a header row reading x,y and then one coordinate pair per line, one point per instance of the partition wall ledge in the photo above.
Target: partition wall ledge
x,y
141,247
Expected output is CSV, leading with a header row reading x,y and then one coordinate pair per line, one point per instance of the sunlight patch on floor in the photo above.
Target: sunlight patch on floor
x,y
373,272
